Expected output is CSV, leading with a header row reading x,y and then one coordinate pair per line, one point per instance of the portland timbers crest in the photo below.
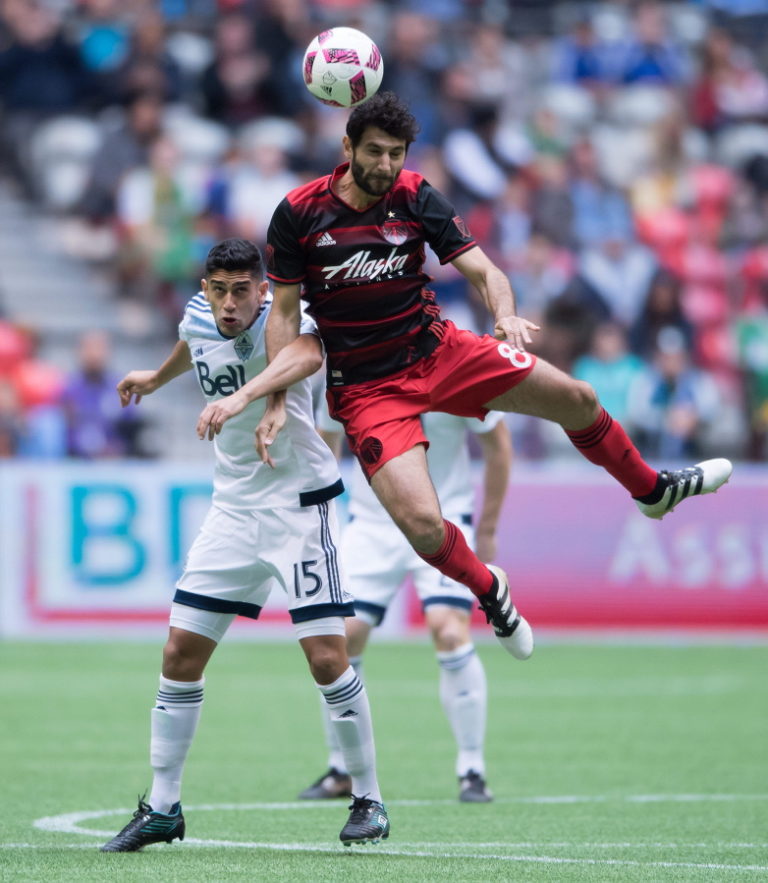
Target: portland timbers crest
x,y
244,346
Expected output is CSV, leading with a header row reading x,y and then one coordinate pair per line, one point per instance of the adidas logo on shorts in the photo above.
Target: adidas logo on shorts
x,y
326,239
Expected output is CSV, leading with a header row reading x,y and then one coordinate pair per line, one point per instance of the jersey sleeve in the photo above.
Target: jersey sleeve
x,y
285,258
196,320
444,229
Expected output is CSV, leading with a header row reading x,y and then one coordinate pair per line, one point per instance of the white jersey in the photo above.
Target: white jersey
x,y
305,471
447,457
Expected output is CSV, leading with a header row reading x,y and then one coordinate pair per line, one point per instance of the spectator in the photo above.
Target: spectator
x,y
148,65
620,271
729,88
235,86
96,424
245,192
672,403
124,148
650,56
11,423
597,206
539,275
581,58
41,75
610,368
155,217
662,309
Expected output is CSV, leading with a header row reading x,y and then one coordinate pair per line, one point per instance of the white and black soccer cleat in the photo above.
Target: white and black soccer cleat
x,y
512,630
703,478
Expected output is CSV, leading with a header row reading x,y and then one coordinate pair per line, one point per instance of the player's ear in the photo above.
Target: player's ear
x,y
263,289
346,143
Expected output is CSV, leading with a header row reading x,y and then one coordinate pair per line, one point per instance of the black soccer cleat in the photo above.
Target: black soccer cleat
x,y
330,785
513,632
148,826
703,478
367,823
473,788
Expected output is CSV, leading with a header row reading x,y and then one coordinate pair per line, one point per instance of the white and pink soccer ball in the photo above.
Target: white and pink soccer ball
x,y
343,67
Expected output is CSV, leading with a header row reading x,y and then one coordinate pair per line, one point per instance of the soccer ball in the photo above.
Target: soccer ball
x,y
343,67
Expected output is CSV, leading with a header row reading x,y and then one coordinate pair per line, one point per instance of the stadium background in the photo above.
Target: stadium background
x,y
611,157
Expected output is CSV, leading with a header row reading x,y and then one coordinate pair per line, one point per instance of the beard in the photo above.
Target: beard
x,y
373,185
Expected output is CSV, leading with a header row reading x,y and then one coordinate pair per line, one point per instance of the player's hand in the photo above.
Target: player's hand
x,y
515,330
135,385
267,431
214,416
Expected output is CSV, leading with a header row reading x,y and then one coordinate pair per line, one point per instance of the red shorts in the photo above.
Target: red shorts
x,y
381,417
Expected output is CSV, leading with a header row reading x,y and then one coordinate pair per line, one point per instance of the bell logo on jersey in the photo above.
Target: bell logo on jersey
x,y
360,266
222,384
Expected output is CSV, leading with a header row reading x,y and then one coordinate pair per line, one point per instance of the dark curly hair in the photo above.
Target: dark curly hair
x,y
383,111
235,255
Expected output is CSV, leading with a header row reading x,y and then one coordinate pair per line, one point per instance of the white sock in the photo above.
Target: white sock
x,y
464,695
336,759
174,721
350,720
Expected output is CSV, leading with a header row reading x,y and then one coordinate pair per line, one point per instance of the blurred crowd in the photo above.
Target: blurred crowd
x,y
611,157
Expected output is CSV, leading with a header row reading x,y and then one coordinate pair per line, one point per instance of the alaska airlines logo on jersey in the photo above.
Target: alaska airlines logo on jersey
x,y
224,383
361,265
244,346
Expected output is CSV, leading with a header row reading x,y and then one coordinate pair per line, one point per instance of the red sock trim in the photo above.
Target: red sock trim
x,y
457,561
606,444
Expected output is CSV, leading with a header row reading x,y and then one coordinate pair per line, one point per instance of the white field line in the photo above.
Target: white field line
x,y
69,823
420,852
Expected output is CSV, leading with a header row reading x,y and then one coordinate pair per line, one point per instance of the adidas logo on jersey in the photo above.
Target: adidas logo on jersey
x,y
326,239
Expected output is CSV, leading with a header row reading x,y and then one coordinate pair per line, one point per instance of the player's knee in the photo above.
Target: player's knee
x,y
584,399
425,530
449,634
180,664
326,665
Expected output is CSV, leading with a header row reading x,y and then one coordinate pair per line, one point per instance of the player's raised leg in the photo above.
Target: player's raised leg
x,y
553,395
405,489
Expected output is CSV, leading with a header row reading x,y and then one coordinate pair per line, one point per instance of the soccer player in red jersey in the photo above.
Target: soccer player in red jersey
x,y
351,244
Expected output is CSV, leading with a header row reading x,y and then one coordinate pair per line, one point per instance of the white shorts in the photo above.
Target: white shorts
x,y
377,558
237,558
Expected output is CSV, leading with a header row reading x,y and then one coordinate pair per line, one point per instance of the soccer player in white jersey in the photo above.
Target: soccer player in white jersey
x,y
272,520
377,557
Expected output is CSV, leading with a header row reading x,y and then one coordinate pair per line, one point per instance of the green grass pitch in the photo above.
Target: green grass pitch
x,y
608,763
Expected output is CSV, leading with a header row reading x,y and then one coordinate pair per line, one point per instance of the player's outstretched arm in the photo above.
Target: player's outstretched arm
x,y
496,447
302,357
136,384
498,297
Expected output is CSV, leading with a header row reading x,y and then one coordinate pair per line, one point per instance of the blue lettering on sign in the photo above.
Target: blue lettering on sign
x,y
178,498
224,383
93,533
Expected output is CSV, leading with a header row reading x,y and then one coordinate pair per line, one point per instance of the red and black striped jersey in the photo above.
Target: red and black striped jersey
x,y
362,273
